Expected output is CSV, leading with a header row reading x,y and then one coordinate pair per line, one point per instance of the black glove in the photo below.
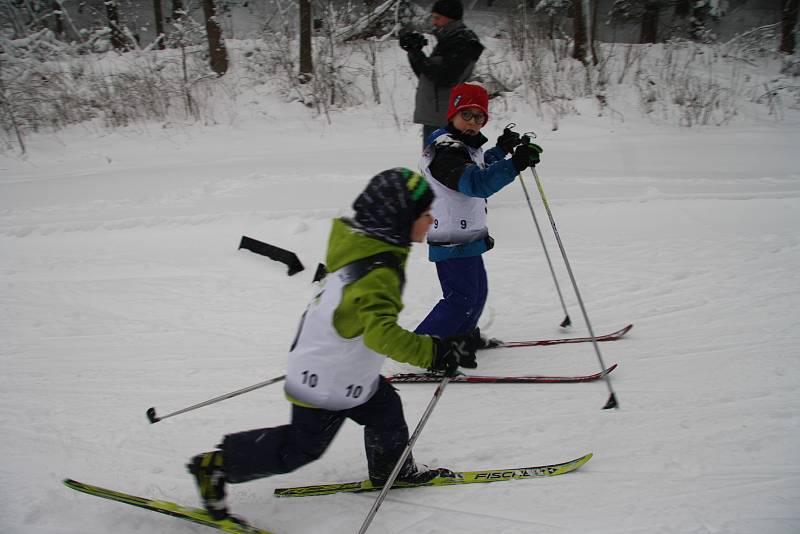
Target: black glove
x,y
452,352
526,155
412,41
508,141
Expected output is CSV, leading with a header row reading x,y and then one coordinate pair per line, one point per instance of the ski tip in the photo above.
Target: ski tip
x,y
72,484
577,463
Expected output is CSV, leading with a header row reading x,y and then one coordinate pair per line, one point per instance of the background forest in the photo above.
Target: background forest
x,y
120,62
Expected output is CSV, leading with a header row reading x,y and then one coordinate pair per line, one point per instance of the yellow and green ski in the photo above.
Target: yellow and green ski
x,y
195,515
458,477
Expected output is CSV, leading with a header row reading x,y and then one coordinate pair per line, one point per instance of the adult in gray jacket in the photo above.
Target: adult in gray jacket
x,y
450,63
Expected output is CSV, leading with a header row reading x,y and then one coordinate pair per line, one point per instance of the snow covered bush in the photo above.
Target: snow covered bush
x,y
51,84
690,84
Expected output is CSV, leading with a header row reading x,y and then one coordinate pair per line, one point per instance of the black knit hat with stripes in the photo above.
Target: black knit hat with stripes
x,y
391,202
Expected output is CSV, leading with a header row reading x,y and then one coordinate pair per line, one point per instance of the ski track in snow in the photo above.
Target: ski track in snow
x,y
122,288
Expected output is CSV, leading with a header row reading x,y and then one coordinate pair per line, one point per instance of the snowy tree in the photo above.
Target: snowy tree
x,y
118,40
788,23
306,65
580,31
555,8
644,12
555,11
702,13
178,10
24,18
216,44
158,14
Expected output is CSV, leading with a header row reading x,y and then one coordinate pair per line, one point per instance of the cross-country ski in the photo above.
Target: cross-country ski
x,y
612,336
424,378
193,515
454,479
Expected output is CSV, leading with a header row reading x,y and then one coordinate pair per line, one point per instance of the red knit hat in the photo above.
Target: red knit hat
x,y
468,95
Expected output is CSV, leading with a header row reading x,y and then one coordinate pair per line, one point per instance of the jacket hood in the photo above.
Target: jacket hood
x,y
349,243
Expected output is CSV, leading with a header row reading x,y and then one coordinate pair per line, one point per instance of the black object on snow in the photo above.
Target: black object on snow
x,y
278,254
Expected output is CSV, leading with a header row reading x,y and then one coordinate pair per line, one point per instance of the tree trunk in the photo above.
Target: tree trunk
x,y
697,21
650,22
58,19
10,113
117,36
682,8
306,65
216,44
593,31
177,10
789,21
159,16
579,23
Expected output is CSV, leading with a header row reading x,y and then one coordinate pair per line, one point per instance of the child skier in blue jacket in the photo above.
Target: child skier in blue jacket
x,y
463,176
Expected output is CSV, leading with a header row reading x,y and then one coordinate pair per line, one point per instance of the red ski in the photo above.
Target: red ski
x,y
423,378
613,336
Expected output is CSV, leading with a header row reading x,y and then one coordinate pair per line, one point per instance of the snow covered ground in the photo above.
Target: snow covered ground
x,y
122,288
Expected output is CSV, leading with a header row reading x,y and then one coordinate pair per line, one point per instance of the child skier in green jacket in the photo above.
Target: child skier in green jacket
x,y
348,329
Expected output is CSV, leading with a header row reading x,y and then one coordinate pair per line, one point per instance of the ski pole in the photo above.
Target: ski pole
x,y
566,322
399,465
153,418
612,398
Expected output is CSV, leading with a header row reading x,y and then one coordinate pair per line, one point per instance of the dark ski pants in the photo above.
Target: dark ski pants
x,y
464,292
268,451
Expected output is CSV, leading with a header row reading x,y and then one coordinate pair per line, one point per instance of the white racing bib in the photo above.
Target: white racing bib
x,y
457,218
326,370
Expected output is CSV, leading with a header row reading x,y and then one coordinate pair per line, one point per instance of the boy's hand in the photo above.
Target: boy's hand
x,y
508,140
526,155
452,352
412,41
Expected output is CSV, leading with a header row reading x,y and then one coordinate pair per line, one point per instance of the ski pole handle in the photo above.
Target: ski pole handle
x,y
526,140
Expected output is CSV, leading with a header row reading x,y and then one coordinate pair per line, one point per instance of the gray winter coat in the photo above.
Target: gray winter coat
x,y
451,62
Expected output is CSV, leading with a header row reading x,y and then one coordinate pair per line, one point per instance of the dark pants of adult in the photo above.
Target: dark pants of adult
x,y
464,292
268,451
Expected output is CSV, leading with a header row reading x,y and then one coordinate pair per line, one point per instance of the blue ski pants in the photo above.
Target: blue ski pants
x,y
464,292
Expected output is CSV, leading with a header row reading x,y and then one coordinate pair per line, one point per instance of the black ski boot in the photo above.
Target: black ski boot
x,y
414,475
209,474
422,473
481,342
